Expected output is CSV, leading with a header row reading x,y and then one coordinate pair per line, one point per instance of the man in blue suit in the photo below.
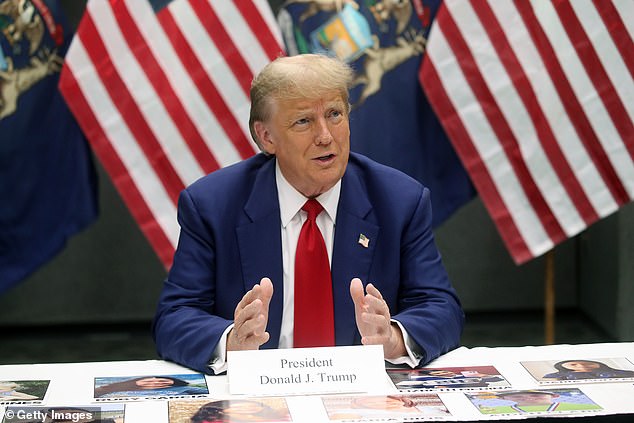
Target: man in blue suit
x,y
231,286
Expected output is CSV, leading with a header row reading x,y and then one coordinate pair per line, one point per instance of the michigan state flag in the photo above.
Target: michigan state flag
x,y
391,121
47,179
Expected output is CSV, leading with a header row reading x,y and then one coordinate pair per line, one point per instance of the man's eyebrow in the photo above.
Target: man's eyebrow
x,y
335,104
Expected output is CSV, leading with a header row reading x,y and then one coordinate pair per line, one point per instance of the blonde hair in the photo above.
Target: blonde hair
x,y
296,77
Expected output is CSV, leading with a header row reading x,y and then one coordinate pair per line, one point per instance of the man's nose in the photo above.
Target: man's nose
x,y
323,134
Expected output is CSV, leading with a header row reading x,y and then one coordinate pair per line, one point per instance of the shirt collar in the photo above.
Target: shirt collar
x,y
291,200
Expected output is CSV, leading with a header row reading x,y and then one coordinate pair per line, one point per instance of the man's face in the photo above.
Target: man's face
x,y
154,383
530,398
311,140
442,373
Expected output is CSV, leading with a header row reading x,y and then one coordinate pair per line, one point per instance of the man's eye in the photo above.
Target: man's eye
x,y
302,121
335,114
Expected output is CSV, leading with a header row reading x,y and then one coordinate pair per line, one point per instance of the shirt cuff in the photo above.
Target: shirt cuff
x,y
414,352
218,363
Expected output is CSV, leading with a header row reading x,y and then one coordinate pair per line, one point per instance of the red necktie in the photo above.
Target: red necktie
x,y
314,310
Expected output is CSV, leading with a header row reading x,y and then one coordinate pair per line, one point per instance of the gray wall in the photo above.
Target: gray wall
x,y
486,277
606,283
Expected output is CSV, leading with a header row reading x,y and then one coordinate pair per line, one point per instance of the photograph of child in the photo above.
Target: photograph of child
x,y
554,401
150,386
601,369
410,407
269,409
23,390
447,378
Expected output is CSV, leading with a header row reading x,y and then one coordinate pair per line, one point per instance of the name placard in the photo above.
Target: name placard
x,y
303,371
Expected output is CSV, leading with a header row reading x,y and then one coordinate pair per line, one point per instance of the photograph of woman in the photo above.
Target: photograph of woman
x,y
150,386
586,369
583,370
270,409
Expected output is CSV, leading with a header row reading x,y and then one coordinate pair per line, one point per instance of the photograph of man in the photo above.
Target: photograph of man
x,y
447,378
533,401
305,244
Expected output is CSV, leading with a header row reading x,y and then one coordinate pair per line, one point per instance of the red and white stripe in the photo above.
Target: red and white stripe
x,y
537,98
163,97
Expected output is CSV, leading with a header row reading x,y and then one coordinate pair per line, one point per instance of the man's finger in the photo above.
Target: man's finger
x,y
372,290
249,297
250,311
356,292
266,292
375,340
378,322
237,341
251,332
252,327
377,306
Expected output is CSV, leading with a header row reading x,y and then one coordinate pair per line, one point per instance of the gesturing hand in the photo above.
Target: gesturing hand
x,y
373,320
250,318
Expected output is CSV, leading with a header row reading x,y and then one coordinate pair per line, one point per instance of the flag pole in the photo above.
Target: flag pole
x,y
549,298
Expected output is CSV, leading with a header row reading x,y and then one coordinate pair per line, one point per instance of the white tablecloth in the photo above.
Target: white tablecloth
x,y
73,383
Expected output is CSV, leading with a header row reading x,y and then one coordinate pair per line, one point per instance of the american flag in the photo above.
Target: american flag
x,y
537,98
163,95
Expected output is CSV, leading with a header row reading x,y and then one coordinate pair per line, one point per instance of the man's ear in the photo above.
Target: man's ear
x,y
264,136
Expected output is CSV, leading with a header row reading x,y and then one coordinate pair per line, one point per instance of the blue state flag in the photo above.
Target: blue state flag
x,y
391,121
47,177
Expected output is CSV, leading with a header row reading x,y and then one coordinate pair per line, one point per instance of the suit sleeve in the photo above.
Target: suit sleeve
x,y
428,307
185,328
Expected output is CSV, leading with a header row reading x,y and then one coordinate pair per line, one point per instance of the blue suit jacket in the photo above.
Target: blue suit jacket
x,y
230,238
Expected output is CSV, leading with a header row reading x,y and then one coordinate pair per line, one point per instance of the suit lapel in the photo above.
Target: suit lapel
x,y
351,257
260,247
260,244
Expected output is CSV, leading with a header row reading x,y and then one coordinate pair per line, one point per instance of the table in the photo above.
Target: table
x,y
72,384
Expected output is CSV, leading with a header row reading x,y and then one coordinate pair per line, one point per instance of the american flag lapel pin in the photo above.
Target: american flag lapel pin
x,y
364,240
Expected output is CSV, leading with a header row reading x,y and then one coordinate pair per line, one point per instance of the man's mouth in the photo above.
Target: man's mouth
x,y
325,158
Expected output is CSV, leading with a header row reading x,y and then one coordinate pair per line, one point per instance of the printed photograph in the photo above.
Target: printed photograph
x,y
23,390
536,401
150,386
106,413
409,407
571,370
448,378
268,409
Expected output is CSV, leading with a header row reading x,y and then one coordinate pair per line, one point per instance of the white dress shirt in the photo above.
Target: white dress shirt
x,y
292,219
